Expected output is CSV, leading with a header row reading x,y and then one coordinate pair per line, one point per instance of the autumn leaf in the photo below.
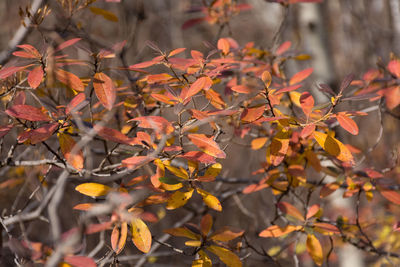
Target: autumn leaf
x,y
278,148
300,76
202,83
80,261
394,67
333,147
118,237
252,114
223,45
112,135
178,199
306,103
27,112
314,249
136,161
70,80
266,78
347,123
326,228
258,143
206,224
226,256
40,134
183,232
93,189
76,103
207,145
290,210
141,235
210,200
8,71
390,195
104,13
67,144
35,77
159,124
276,231
226,234
67,43
104,89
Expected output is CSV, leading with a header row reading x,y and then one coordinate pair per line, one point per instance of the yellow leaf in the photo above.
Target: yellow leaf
x,y
213,170
314,249
178,199
118,237
104,13
141,235
183,232
334,147
204,260
179,172
93,189
193,243
226,256
258,143
210,200
276,231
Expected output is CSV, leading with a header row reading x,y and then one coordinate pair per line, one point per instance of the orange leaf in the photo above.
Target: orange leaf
x,y
159,124
326,228
300,76
243,89
314,249
35,77
312,211
394,67
392,95
202,83
104,89
80,261
76,103
307,131
278,148
391,195
207,145
206,224
290,210
306,103
333,147
252,114
276,231
223,45
141,235
27,112
67,44
118,237
347,123
67,144
266,78
176,51
283,48
258,143
226,234
70,80
30,49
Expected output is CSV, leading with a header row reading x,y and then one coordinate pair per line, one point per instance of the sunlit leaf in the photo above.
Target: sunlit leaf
x,y
226,234
178,199
300,76
207,145
347,123
210,200
290,210
202,83
70,79
306,103
104,89
93,189
314,249
333,147
157,123
141,235
118,237
35,77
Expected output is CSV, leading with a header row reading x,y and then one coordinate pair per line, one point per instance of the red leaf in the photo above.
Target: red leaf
x,y
347,123
70,80
80,261
223,45
300,76
176,51
307,103
203,83
76,103
26,112
38,135
104,89
159,124
307,131
35,77
391,195
30,50
112,135
394,67
198,156
207,145
67,43
4,130
6,72
291,210
136,161
191,22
